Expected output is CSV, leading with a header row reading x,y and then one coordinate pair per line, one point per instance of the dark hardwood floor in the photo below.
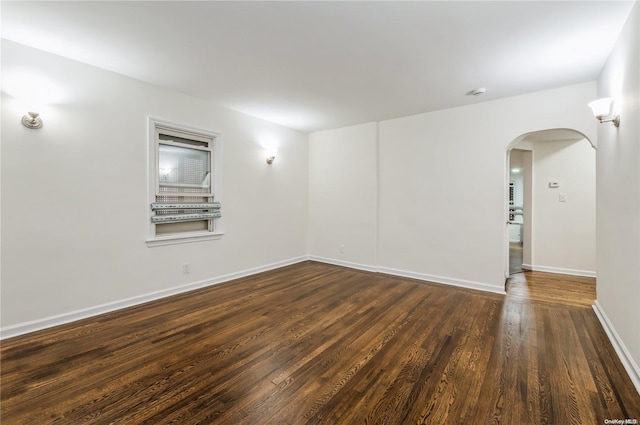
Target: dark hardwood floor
x,y
550,288
319,344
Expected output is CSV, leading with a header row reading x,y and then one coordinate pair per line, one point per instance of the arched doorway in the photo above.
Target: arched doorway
x,y
550,203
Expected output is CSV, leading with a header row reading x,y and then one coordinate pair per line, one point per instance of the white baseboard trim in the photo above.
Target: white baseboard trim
x,y
342,263
444,280
629,364
61,319
412,275
558,270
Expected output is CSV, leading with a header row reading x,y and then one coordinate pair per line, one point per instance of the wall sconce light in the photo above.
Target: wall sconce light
x,y
602,108
271,155
31,90
32,120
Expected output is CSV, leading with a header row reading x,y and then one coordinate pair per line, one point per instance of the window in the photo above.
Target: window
x,y
184,184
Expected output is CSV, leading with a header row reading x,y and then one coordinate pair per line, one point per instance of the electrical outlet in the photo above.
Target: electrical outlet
x,y
186,268
341,247
563,197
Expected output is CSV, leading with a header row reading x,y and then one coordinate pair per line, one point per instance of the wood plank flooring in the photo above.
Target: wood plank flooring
x,y
550,288
319,344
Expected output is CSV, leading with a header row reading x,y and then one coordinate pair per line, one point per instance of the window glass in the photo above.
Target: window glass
x,y
183,170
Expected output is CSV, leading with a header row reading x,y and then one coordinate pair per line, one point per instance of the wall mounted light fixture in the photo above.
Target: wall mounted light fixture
x,y
602,109
271,155
31,91
32,120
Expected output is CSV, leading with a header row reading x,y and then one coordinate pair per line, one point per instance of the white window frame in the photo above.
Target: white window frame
x,y
215,232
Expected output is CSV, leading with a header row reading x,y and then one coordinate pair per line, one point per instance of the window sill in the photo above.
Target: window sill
x,y
184,238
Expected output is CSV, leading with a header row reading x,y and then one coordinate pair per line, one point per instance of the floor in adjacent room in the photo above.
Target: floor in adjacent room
x,y
314,343
515,257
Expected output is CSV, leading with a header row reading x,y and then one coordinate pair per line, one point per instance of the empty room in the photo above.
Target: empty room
x,y
320,212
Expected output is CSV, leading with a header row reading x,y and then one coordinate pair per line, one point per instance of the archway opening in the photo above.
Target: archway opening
x,y
550,203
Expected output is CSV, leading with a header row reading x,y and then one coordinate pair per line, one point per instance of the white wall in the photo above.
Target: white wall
x,y
441,185
564,233
343,195
618,202
74,200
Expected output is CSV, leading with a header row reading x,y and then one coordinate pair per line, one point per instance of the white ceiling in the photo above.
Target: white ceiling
x,y
320,65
